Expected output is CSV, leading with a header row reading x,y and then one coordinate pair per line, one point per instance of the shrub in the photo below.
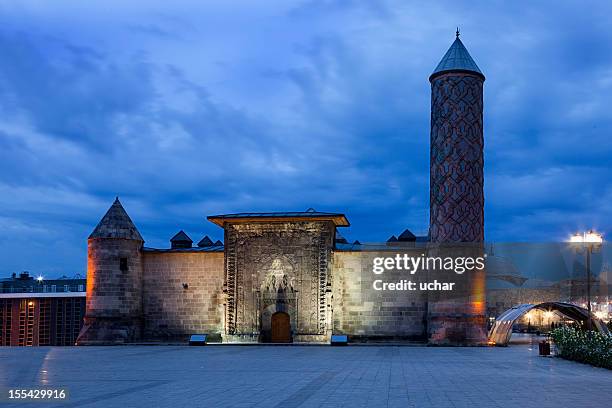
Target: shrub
x,y
586,347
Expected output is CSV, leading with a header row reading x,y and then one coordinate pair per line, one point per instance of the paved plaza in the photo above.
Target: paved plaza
x,y
304,376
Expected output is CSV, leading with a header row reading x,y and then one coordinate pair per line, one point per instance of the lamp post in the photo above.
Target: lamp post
x,y
589,241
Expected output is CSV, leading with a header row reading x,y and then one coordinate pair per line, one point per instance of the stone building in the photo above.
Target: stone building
x,y
282,277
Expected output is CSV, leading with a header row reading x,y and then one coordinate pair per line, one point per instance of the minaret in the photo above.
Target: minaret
x,y
114,281
457,196
456,161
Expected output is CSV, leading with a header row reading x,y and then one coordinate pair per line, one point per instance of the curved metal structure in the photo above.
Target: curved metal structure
x,y
501,331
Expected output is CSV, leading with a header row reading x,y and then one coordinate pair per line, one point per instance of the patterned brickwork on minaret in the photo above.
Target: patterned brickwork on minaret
x,y
457,194
457,159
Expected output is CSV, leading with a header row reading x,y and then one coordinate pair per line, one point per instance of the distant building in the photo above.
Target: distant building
x,y
25,283
41,312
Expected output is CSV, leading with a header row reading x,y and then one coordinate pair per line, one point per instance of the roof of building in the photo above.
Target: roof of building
x,y
456,59
338,219
205,242
181,237
30,295
406,236
392,246
214,248
116,224
340,238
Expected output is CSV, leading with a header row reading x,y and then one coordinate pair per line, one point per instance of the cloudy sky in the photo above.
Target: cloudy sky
x,y
187,109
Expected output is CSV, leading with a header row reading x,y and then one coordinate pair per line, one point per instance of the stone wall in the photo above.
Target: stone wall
x,y
174,312
368,315
500,300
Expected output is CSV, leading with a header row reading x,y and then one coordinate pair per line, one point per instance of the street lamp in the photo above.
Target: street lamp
x,y
590,241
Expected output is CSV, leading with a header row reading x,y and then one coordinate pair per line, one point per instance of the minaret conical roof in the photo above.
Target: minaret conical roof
x,y
456,59
116,224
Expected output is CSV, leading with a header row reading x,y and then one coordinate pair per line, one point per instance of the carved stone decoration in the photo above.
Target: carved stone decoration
x,y
230,282
456,178
323,277
277,267
279,278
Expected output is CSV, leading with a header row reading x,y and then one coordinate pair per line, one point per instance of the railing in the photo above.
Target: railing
x,y
44,289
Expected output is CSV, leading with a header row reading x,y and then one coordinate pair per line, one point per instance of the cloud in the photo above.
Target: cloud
x,y
191,109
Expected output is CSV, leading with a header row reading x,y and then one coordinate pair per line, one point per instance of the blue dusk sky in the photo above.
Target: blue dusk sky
x,y
188,109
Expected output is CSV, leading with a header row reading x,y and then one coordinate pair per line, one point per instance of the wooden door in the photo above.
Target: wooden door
x,y
281,328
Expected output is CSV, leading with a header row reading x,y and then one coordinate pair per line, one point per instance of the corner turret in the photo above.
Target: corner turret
x,y
114,281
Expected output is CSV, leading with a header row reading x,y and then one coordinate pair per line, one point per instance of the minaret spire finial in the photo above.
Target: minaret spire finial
x,y
457,33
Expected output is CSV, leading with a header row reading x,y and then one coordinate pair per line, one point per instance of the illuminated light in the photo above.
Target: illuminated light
x,y
40,278
490,343
30,303
590,237
593,237
477,307
548,314
601,315
577,238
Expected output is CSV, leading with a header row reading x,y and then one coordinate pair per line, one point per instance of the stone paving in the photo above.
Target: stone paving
x,y
304,376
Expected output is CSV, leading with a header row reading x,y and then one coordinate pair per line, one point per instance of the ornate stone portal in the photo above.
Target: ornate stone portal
x,y
280,264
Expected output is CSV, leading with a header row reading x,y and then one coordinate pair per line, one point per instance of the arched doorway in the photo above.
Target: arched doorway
x,y
281,328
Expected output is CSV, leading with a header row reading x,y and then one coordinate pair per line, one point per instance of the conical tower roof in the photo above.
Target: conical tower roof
x,y
181,236
116,224
205,242
456,59
406,236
